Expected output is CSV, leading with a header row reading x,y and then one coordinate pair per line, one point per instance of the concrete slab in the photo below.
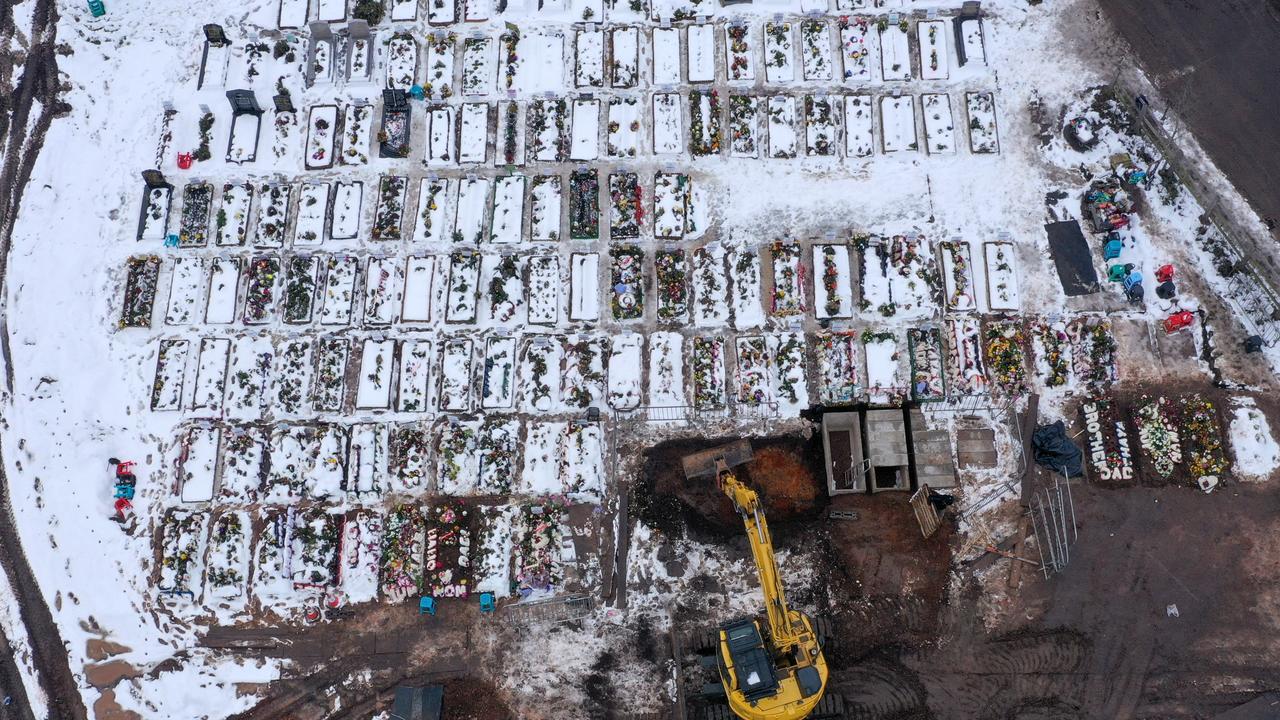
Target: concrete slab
x,y
934,464
976,448
842,445
886,438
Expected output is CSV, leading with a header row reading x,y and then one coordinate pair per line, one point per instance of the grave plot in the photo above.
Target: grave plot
x,y
625,358
744,126
584,143
702,53
957,275
497,390
193,229
668,133
1093,352
308,227
502,278
584,287
186,291
666,369
301,278
623,137
895,50
447,567
819,125
471,218
746,297
671,193
416,359
211,374
455,376
672,283
782,126
344,222
291,377
939,128
739,49
704,123
494,545
389,214
627,282
331,11
779,64
935,60
710,291
584,205
547,136
271,580
972,41
815,49
582,469
321,127
477,66
273,214
545,208
498,440
260,295
513,133
198,463
402,63
242,466
540,529
339,289
898,279
432,221
884,384
666,57
838,368
231,224
457,459
1205,454
625,67
928,373
369,469
440,54
707,366
357,134
440,137
154,224
753,370
855,49
1006,344
544,290
313,462
1108,450
464,281
248,373
227,578
626,205
1002,276
966,374
403,10
858,136
473,135
788,279
898,124
360,554
583,380
376,378
1052,351
833,283
983,136
441,12
330,389
539,373
171,367
789,372
410,449
313,552
532,61
383,284
588,66
1158,421
182,551
322,63
541,448
508,210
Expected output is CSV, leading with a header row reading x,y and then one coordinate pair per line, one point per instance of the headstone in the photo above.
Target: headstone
x,y
214,34
359,29
243,102
204,109
395,101
154,179
320,31
284,103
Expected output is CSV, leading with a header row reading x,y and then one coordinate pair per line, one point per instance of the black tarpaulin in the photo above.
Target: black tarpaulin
x,y
1053,449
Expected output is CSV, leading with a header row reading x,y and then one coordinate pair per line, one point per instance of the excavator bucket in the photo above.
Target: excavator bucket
x,y
703,463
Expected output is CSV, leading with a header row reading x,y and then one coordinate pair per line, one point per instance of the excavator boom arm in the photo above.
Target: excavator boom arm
x,y
747,502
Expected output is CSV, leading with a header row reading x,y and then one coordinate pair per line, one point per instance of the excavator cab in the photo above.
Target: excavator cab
x,y
745,665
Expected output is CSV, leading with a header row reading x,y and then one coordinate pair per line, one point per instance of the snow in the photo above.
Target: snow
x,y
895,54
666,56
935,60
1256,452
589,59
702,53
585,142
584,287
858,140
779,67
668,134
782,126
898,124
939,129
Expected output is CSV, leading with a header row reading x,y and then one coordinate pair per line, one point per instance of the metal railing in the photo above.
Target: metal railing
x,y
1053,518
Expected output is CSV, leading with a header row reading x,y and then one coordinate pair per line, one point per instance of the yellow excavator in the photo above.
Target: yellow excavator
x,y
773,670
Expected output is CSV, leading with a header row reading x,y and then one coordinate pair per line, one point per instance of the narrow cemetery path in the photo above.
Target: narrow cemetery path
x,y
25,117
11,685
1221,80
